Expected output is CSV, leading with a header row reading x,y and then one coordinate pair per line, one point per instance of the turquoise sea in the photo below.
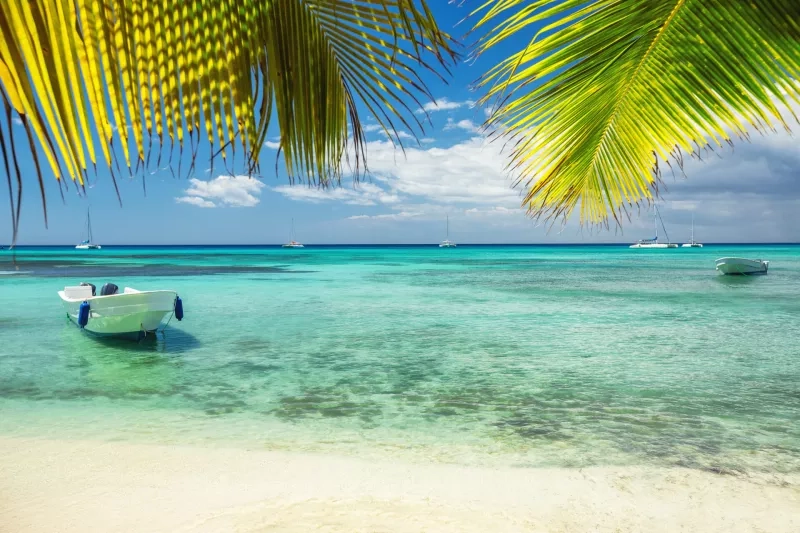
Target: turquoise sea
x,y
494,355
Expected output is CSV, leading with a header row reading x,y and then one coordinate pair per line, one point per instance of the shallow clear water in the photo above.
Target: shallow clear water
x,y
566,356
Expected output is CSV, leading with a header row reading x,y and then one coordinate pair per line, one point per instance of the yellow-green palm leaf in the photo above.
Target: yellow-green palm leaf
x,y
607,88
78,72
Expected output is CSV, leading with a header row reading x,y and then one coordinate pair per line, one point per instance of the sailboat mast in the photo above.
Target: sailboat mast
x,y
655,220
692,228
448,228
89,224
662,225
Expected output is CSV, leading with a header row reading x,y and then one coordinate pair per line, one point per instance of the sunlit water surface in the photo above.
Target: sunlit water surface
x,y
560,356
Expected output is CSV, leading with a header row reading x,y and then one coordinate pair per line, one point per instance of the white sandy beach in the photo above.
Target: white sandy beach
x,y
84,486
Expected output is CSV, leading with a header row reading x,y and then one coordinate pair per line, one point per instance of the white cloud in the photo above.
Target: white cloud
x,y
360,194
17,121
470,172
494,211
195,200
443,104
272,145
466,125
372,127
400,134
231,191
389,216
427,140
426,182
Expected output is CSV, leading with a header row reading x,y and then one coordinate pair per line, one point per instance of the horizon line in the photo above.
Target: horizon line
x,y
265,245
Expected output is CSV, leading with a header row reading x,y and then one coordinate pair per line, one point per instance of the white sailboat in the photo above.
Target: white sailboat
x,y
447,243
293,243
653,243
692,244
88,244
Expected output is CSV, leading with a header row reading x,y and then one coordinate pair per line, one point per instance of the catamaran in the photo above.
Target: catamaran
x,y
293,243
692,244
653,243
88,244
447,243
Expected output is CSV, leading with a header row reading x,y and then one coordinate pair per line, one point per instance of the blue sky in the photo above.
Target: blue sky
x,y
751,194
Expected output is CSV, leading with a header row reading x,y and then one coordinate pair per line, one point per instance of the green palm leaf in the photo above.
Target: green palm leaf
x,y
608,88
77,71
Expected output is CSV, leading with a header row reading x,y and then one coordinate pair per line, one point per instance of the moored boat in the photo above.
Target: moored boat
x,y
741,266
87,244
130,313
692,243
447,243
292,243
653,243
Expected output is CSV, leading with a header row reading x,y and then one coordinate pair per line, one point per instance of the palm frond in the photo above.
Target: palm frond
x,y
79,73
605,90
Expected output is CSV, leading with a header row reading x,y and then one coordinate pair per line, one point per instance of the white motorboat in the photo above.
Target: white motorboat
x,y
88,244
692,244
741,266
129,313
653,243
447,243
292,243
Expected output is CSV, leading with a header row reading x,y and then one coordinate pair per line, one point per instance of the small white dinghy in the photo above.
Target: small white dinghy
x,y
129,313
741,266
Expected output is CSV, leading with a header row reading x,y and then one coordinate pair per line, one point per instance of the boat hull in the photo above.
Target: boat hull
x,y
656,245
126,314
88,247
692,245
739,266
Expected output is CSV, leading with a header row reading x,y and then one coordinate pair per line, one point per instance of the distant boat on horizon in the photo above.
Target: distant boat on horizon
x,y
692,244
447,243
653,243
292,243
88,244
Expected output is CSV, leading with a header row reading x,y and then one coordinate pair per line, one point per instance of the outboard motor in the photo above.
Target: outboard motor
x,y
109,289
94,289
